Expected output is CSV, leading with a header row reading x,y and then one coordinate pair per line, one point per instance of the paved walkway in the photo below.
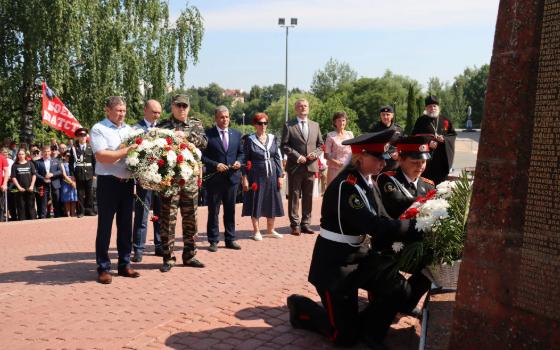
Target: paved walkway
x,y
49,298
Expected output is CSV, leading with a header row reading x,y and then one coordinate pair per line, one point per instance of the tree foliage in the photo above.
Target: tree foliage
x,y
331,78
87,50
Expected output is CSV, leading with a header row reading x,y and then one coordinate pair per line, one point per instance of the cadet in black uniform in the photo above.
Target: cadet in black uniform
x,y
342,260
400,188
82,165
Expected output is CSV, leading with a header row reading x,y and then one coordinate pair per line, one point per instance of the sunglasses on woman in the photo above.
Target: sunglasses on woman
x,y
261,123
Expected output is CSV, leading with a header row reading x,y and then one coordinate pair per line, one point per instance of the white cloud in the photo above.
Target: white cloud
x,y
353,14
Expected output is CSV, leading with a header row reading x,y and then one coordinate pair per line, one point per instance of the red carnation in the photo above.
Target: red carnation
x,y
138,140
254,186
431,194
182,146
169,140
167,148
445,124
249,165
180,158
182,182
160,162
154,218
199,182
410,213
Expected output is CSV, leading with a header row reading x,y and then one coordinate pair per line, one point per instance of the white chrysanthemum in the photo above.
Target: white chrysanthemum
x,y
187,155
397,246
153,168
186,171
436,208
445,188
132,160
171,158
160,142
145,145
425,223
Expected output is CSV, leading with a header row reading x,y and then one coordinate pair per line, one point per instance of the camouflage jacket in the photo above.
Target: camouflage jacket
x,y
193,129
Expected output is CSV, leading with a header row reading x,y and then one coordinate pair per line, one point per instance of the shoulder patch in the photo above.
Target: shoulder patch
x,y
428,181
351,179
389,187
355,201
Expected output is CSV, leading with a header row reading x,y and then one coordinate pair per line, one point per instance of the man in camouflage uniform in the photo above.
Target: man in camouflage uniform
x,y
187,198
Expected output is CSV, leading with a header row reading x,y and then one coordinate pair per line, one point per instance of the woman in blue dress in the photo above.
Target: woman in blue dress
x,y
68,193
263,181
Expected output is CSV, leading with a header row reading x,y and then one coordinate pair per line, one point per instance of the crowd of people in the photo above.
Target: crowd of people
x,y
369,181
42,181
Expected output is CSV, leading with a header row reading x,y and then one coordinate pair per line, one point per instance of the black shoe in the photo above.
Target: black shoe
x,y
233,245
193,262
213,247
80,215
294,320
136,258
158,252
166,267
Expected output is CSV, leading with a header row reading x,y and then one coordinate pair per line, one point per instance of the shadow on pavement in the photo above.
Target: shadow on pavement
x,y
280,332
60,274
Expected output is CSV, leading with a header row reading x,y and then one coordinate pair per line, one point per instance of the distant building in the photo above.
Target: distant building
x,y
236,94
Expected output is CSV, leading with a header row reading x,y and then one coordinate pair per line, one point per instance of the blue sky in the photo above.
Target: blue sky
x,y
243,45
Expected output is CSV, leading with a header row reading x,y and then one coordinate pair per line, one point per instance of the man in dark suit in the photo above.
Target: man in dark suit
x,y
82,167
152,112
302,143
49,174
223,157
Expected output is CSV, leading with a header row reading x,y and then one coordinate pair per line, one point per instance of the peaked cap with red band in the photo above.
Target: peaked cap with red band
x,y
374,143
416,146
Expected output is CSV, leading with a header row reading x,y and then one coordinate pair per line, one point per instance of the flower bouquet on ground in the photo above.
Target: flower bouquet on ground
x,y
163,161
442,216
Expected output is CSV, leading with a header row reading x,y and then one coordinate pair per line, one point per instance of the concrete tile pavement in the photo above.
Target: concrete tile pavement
x,y
49,298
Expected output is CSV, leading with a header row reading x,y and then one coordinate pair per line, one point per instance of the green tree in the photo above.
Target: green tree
x,y
88,50
331,78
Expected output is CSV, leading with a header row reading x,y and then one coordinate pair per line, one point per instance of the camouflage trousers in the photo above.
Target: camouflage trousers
x,y
188,202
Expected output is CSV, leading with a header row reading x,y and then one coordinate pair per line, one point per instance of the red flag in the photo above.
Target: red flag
x,y
56,114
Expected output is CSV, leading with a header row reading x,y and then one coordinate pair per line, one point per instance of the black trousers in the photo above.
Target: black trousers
x,y
25,204
85,196
221,193
115,198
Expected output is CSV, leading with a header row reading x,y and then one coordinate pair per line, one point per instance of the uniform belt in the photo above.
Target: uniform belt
x,y
84,164
337,237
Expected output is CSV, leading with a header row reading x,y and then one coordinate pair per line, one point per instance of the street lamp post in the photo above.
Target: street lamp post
x,y
243,116
282,23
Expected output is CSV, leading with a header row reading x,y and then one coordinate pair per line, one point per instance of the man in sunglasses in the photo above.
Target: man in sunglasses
x,y
187,198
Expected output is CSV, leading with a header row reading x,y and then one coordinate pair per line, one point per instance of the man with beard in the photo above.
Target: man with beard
x,y
443,143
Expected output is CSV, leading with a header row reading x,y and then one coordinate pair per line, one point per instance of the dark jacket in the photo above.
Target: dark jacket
x,y
332,262
55,169
215,154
